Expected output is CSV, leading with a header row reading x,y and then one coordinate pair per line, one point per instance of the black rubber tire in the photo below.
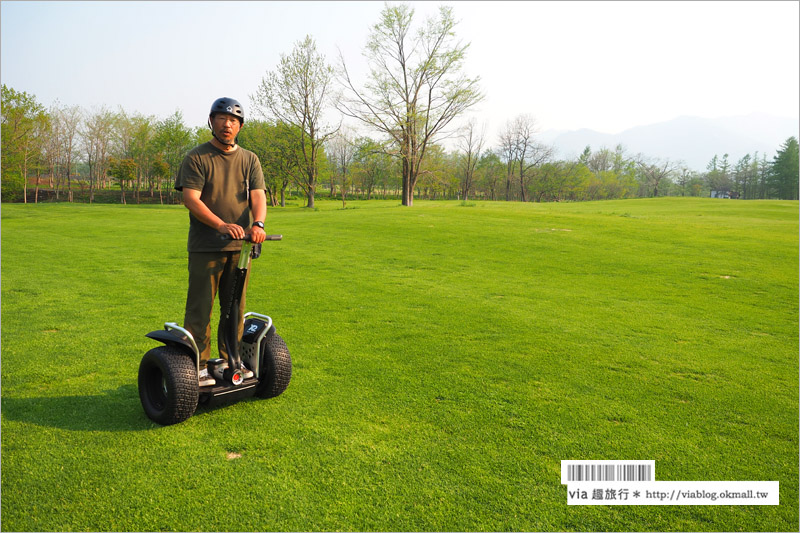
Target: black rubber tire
x,y
168,386
277,365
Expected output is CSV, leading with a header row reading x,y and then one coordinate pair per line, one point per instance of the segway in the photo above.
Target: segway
x,y
170,386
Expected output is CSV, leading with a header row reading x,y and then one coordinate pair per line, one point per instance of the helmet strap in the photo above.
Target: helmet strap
x,y
217,138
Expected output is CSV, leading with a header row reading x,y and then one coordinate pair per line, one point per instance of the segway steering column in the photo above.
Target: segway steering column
x,y
231,314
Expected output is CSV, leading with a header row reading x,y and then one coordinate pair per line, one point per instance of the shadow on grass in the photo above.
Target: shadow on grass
x,y
115,410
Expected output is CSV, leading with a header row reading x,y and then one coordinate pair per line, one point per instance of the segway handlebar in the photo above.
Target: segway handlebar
x,y
227,237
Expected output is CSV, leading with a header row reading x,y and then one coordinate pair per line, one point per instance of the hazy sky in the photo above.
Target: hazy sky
x,y
606,66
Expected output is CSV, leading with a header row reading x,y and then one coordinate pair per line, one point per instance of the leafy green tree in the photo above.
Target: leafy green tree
x,y
415,87
784,171
373,166
124,170
202,135
743,176
581,182
159,170
172,140
275,148
143,150
764,170
438,174
489,171
718,175
24,123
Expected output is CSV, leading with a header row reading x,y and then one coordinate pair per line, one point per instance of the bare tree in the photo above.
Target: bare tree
x,y
96,132
529,152
653,172
415,87
508,153
297,94
70,118
471,144
342,149
52,147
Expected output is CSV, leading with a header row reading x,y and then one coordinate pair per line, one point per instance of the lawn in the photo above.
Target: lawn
x,y
446,358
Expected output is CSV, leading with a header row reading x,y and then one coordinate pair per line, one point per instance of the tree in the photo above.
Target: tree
x,y
764,170
124,170
437,177
160,171
655,173
684,177
276,150
298,93
52,147
743,176
718,175
471,144
97,134
372,166
527,152
415,86
784,172
70,118
508,153
172,140
341,150
143,151
489,170
24,123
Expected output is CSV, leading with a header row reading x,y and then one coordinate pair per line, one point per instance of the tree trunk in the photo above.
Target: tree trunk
x,y
24,184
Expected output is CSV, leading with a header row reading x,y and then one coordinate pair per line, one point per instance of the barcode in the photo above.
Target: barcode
x,y
576,471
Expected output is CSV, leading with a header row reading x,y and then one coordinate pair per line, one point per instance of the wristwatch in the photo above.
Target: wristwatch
x,y
259,224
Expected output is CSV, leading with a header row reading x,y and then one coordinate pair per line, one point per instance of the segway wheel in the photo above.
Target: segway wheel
x,y
276,361
168,386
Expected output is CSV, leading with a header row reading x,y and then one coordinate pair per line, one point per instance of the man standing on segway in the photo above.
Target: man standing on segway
x,y
223,188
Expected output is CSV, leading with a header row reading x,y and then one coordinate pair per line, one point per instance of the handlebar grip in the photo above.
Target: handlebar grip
x,y
226,237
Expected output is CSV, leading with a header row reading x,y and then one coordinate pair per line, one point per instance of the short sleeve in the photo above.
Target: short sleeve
x,y
256,174
190,174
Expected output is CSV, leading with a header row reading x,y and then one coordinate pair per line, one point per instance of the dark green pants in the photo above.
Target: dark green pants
x,y
210,274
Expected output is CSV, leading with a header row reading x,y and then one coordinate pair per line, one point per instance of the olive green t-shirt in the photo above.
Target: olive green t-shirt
x,y
224,179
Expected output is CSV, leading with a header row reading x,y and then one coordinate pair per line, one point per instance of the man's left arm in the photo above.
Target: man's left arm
x,y
258,206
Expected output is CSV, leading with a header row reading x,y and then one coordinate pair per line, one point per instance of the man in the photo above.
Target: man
x,y
223,188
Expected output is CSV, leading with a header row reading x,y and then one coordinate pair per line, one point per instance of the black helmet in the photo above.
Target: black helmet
x,y
227,105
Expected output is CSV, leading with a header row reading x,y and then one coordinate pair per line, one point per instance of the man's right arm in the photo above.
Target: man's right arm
x,y
192,201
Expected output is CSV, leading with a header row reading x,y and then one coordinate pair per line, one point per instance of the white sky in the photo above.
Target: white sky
x,y
606,66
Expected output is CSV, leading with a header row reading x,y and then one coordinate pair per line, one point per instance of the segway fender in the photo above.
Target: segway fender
x,y
171,338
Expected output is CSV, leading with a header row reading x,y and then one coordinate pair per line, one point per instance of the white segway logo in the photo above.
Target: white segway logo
x,y
253,328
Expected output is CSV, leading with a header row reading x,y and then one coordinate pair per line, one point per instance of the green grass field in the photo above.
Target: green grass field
x,y
446,358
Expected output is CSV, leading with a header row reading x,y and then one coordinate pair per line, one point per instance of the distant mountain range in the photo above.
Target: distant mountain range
x,y
692,140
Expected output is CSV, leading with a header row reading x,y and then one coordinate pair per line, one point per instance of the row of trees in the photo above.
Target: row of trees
x,y
414,92
65,148
516,171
